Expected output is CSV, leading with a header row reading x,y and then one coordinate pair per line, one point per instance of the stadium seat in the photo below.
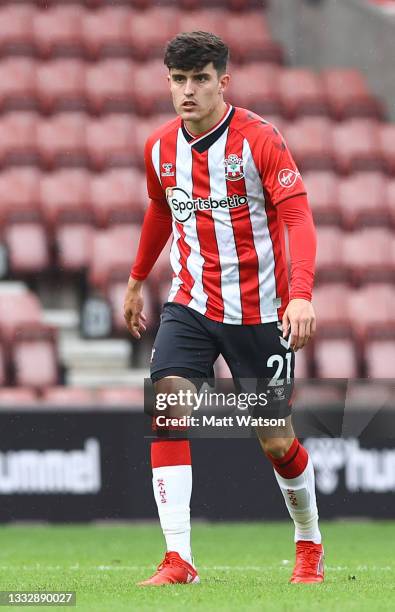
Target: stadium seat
x,y
380,359
61,85
322,193
18,143
3,371
330,262
57,31
368,394
27,247
19,194
61,140
256,86
73,245
121,396
18,308
34,358
367,254
206,20
311,395
362,200
106,32
387,144
68,396
357,145
17,84
301,93
118,195
16,31
330,303
18,396
310,140
348,94
64,196
110,85
110,141
143,129
335,358
390,197
371,310
249,38
152,89
149,40
112,249
302,364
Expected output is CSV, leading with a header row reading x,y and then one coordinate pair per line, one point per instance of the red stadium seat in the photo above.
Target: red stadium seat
x,y
61,140
249,38
256,86
18,396
368,255
18,308
301,92
335,358
206,20
387,144
16,31
3,372
371,310
310,140
322,193
144,128
61,85
151,29
65,196
17,84
330,303
57,31
18,143
390,197
302,364
110,141
152,89
118,195
112,249
19,194
68,396
362,200
348,94
330,262
357,145
27,247
106,31
380,359
121,396
73,242
34,358
110,85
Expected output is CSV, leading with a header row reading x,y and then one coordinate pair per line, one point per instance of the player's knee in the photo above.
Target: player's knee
x,y
174,396
277,447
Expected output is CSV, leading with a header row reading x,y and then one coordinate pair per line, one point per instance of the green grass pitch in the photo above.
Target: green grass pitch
x,y
243,566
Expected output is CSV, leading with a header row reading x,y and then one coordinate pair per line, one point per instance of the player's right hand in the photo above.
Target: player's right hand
x,y
133,308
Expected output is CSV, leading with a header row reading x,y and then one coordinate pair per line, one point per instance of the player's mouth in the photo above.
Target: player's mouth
x,y
189,105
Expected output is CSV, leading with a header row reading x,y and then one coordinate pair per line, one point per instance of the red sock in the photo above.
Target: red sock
x,y
170,452
293,463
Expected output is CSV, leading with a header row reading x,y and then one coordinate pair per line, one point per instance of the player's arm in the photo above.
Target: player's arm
x,y
299,316
285,190
154,235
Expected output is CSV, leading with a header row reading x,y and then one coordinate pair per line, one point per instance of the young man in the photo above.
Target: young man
x,y
222,179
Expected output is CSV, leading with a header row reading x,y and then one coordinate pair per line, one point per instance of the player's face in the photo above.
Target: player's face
x,y
197,94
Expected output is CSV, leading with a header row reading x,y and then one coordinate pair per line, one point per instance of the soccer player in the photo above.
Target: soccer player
x,y
224,182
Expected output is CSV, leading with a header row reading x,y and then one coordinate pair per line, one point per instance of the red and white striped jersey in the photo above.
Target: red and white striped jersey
x,y
228,252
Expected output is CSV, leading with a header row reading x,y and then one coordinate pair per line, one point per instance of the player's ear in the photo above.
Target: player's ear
x,y
223,82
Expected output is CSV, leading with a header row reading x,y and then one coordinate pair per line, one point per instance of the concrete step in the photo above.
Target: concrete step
x,y
106,377
95,354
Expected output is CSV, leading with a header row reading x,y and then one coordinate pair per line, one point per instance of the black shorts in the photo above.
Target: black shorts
x,y
188,343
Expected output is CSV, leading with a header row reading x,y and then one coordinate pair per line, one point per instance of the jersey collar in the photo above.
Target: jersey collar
x,y
204,141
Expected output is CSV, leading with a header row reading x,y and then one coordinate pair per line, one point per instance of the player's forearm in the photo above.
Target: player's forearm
x,y
154,235
297,216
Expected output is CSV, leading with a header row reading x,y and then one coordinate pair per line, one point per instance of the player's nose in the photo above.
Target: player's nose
x,y
188,91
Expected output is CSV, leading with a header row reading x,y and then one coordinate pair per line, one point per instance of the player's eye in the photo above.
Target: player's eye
x,y
201,78
178,78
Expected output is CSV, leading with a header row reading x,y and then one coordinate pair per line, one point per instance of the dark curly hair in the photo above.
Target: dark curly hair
x,y
194,50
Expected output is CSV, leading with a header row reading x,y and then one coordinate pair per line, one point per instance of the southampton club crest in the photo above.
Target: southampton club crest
x,y
233,168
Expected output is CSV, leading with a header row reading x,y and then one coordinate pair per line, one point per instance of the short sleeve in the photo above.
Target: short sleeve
x,y
154,187
280,177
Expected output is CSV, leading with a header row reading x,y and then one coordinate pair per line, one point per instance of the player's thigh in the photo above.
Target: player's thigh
x,y
183,346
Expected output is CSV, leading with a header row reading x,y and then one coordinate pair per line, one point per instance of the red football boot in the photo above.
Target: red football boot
x,y
172,570
309,565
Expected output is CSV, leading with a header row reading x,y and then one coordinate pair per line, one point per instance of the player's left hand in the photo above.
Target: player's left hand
x,y
300,317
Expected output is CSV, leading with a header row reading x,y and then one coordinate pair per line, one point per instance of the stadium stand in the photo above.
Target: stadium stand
x,y
82,84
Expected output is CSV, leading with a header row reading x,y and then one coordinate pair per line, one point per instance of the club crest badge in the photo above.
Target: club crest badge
x,y
167,169
233,167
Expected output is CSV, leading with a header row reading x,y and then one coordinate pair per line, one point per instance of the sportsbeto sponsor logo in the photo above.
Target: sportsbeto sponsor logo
x,y
287,178
183,206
